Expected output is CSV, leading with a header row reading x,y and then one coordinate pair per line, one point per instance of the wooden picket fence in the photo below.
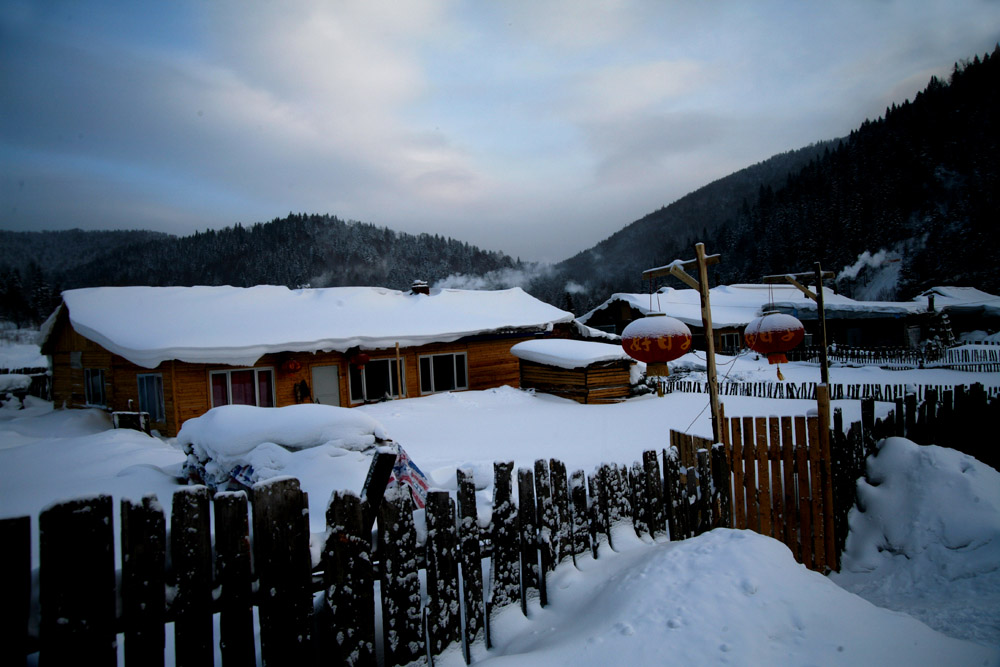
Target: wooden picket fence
x,y
980,359
768,475
838,391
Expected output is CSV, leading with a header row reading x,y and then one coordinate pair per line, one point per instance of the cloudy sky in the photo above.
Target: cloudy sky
x,y
533,127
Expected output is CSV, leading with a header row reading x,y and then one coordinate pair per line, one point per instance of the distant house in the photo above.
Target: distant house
x,y
584,371
968,309
176,352
848,322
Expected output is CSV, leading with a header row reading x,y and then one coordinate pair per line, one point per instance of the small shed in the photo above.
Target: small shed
x,y
585,371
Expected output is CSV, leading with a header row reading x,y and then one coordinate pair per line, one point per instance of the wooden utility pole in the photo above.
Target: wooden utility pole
x,y
823,391
678,269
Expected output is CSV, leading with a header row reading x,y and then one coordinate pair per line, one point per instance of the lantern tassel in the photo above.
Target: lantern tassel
x,y
781,378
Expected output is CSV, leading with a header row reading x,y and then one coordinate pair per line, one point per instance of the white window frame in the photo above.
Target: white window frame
x,y
399,391
89,398
229,384
430,378
160,414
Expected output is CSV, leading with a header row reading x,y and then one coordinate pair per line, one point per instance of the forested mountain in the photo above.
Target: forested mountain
x,y
917,188
921,184
299,250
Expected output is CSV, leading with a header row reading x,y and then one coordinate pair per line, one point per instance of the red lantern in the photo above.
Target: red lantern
x,y
656,339
359,359
291,366
773,334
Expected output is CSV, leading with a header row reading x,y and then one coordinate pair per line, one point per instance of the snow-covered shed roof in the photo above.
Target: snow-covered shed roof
x,y
961,300
737,305
568,354
238,325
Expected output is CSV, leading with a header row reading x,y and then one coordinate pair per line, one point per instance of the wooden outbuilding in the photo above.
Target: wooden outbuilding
x,y
176,352
584,371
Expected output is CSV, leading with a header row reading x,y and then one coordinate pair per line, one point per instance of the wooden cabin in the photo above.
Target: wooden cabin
x,y
176,352
584,371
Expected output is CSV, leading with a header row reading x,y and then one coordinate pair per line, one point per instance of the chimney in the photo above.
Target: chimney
x,y
420,287
930,303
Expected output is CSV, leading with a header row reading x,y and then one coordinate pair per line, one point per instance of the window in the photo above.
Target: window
x,y
377,382
151,396
247,386
443,372
732,342
93,387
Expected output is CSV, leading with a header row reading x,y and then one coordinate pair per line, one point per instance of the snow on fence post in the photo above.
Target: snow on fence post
x,y
654,493
191,558
15,582
562,538
606,504
401,614
347,620
234,578
506,559
547,526
283,564
143,593
444,623
77,583
527,518
704,492
674,494
593,514
471,558
580,523
640,508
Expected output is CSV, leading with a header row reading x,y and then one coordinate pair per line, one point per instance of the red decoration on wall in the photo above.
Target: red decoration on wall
x,y
291,366
360,359
773,334
656,339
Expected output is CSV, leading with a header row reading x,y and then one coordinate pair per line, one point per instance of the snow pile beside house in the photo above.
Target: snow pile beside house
x,y
928,539
249,444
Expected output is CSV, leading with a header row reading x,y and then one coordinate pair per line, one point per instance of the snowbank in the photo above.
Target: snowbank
x,y
726,597
928,538
252,444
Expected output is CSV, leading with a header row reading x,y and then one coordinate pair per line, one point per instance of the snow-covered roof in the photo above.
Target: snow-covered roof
x,y
961,300
737,305
568,354
237,325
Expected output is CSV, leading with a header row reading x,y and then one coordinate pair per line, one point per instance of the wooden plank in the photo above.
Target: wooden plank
x,y
791,515
604,503
763,477
654,492
348,619
377,479
562,538
672,494
403,636
283,564
736,461
804,491
704,491
443,619
547,525
77,583
777,492
234,578
816,487
505,563
527,512
191,558
640,508
15,582
578,504
722,502
143,586
750,475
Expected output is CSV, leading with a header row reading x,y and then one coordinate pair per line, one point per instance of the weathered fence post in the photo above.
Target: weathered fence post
x,y
15,581
653,491
444,622
191,556
547,526
283,563
578,498
234,578
77,583
143,592
506,560
562,540
675,494
401,613
527,518
722,487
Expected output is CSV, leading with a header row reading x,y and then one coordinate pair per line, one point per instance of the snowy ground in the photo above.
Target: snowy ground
x,y
928,545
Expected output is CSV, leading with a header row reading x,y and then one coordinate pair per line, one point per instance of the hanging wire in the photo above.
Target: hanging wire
x,y
732,365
